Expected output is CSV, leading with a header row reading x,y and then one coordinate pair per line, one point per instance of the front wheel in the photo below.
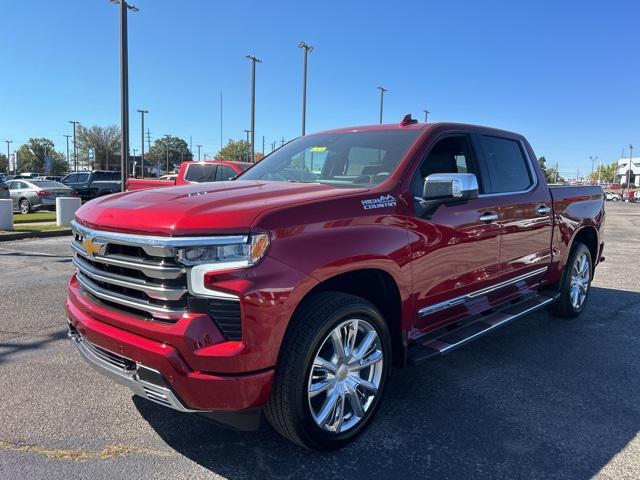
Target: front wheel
x,y
576,283
332,371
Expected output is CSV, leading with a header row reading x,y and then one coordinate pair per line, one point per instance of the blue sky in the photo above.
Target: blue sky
x,y
563,73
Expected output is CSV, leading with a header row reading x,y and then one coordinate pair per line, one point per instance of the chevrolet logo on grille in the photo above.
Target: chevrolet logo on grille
x,y
93,247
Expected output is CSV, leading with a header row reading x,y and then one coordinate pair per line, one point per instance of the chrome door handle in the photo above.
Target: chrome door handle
x,y
543,210
488,217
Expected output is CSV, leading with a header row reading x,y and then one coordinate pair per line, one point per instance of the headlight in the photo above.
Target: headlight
x,y
223,257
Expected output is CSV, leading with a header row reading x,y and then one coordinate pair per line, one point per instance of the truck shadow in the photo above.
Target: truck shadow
x,y
541,398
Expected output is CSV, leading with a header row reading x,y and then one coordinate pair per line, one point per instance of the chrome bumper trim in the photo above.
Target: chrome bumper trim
x,y
127,377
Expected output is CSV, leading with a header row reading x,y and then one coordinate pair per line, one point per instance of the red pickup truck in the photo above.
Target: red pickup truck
x,y
293,289
194,172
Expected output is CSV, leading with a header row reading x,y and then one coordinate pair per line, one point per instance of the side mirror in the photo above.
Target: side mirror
x,y
449,187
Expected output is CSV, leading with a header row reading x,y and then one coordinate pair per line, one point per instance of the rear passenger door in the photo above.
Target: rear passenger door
x,y
525,211
225,173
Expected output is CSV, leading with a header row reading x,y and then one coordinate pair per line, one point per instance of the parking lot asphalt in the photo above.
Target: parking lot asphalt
x,y
542,398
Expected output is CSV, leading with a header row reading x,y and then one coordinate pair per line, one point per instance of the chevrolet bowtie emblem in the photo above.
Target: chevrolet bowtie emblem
x,y
92,247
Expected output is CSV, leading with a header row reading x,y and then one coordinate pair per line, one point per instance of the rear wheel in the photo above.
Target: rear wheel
x,y
332,372
24,206
576,283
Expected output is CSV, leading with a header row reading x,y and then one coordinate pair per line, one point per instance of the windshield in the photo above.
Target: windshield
x,y
349,159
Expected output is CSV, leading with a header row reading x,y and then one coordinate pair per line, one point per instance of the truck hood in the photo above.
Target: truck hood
x,y
197,209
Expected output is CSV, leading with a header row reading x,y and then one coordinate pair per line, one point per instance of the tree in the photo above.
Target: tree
x,y
551,175
175,147
604,173
4,163
105,141
31,157
237,151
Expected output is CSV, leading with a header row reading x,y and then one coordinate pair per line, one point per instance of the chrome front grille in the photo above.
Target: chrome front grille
x,y
139,278
140,275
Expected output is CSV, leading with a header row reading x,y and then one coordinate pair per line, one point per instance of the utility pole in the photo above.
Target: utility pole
x,y
124,88
221,145
307,50
382,90
15,166
133,170
142,112
556,175
253,60
593,162
68,159
167,145
199,147
263,145
426,113
282,142
599,171
75,148
148,140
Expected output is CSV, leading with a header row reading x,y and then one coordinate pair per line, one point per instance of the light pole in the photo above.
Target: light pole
x,y
167,145
253,60
133,170
307,50
199,147
426,113
593,162
15,167
248,132
629,171
124,88
68,159
382,90
75,148
142,112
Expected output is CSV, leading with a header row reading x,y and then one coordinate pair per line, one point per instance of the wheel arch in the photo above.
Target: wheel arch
x,y
376,286
589,236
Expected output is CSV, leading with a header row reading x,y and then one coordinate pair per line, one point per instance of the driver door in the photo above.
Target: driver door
x,y
454,246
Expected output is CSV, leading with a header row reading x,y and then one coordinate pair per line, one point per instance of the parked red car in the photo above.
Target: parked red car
x,y
291,290
194,172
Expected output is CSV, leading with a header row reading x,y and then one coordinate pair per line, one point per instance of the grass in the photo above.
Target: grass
x,y
34,217
37,228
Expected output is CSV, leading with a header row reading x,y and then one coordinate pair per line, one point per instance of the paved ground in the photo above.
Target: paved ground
x,y
543,398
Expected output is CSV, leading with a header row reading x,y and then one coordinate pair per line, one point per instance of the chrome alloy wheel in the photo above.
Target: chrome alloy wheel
x,y
345,376
580,275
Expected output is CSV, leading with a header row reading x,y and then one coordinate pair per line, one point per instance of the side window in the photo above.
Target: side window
x,y
506,165
225,173
450,155
82,178
100,176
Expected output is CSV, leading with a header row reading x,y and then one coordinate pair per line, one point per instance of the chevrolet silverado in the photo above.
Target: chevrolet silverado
x,y
290,292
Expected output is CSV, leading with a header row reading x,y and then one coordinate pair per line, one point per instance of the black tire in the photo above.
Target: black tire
x,y
288,410
564,307
24,206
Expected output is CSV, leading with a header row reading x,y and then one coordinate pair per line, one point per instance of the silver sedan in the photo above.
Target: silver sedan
x,y
30,195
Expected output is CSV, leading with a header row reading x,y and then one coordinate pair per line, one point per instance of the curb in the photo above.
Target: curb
x,y
21,235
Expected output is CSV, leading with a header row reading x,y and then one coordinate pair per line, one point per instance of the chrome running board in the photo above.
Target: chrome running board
x,y
478,326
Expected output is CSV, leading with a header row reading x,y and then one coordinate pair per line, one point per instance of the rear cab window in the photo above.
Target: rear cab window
x,y
200,172
507,166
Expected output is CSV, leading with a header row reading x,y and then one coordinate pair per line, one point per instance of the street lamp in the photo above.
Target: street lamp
x,y
382,90
142,112
75,148
426,113
167,145
307,49
629,171
199,147
253,60
247,132
124,88
15,166
68,159
593,162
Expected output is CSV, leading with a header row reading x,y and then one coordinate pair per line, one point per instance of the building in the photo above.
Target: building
x,y
622,171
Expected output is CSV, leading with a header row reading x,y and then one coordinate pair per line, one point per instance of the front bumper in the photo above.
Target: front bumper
x,y
156,371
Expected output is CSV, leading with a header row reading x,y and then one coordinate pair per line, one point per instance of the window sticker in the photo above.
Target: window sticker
x,y
318,149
